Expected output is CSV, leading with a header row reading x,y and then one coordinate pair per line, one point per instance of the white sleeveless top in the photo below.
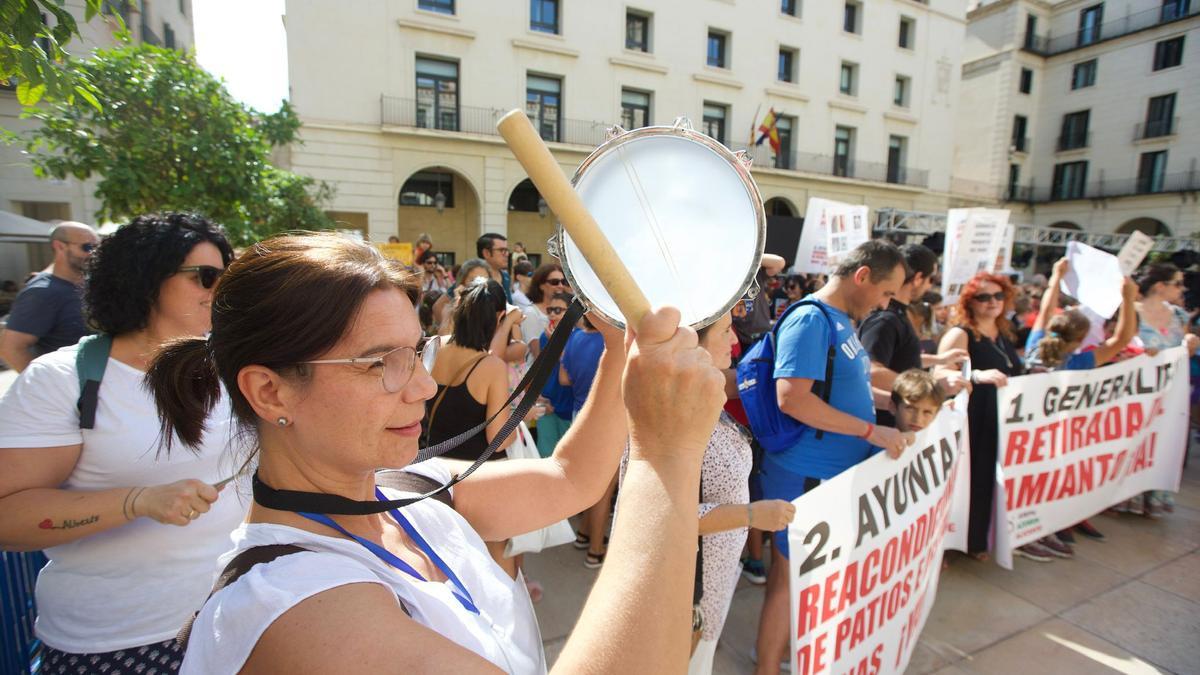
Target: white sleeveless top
x,y
505,631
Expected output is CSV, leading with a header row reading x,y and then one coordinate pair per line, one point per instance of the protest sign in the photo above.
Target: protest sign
x,y
1073,443
974,238
831,230
1093,278
866,551
1004,255
1134,251
402,252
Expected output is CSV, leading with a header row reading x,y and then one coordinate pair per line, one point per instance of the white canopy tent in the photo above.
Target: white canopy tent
x,y
19,229
24,245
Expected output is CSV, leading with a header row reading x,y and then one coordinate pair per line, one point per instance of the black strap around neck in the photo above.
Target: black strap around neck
x,y
527,391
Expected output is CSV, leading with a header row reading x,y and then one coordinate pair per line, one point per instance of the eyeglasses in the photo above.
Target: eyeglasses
x,y
86,247
555,310
985,297
397,366
207,275
500,250
557,282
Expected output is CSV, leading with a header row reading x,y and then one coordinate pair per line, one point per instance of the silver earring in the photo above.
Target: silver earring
x,y
283,421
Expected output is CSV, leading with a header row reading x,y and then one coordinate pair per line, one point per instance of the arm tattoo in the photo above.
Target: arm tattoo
x,y
68,523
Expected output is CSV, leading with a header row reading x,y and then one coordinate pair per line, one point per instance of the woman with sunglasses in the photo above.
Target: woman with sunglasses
x,y
131,535
547,282
982,329
413,589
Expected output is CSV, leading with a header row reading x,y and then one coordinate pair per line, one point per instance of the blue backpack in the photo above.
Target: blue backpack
x,y
774,429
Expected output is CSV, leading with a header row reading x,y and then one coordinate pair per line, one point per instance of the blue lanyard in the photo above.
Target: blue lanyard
x,y
462,594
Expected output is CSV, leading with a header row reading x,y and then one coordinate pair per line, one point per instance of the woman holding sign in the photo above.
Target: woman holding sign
x,y
317,342
987,335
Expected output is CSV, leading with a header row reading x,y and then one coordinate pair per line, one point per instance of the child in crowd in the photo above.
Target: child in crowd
x,y
916,400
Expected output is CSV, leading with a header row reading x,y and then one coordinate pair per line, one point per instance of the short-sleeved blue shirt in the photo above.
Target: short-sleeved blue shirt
x,y
1076,361
559,395
581,358
50,308
800,352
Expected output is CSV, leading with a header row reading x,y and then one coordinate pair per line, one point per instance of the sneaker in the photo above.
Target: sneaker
x,y
1065,537
1154,509
784,666
754,572
1085,528
1057,547
1035,552
1136,506
593,561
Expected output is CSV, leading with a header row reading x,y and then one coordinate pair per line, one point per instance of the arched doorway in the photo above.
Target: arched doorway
x,y
1149,226
444,204
530,221
779,206
783,228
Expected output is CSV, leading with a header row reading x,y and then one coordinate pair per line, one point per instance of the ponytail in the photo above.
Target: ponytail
x,y
184,382
1064,332
1052,351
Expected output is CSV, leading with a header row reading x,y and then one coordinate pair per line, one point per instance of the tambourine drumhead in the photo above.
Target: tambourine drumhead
x,y
684,216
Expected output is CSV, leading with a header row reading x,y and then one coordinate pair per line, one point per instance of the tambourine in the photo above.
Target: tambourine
x,y
683,214
657,216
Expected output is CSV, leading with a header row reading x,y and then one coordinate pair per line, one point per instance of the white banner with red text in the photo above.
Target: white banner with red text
x,y
866,550
1073,443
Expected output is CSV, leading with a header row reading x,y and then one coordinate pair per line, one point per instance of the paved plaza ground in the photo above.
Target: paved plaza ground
x,y
1130,604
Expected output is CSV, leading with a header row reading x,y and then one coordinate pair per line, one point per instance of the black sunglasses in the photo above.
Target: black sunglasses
x,y
86,247
984,297
556,282
207,275
555,310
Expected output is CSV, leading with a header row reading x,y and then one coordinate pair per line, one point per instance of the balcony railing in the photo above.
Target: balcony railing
x,y
404,112
830,166
1049,45
1103,189
1020,144
1073,141
1155,128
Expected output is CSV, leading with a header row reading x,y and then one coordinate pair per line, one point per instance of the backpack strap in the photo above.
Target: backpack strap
x,y
830,353
407,481
90,362
237,567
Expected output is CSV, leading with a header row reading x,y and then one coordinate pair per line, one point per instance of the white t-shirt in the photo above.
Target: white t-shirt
x,y
505,631
137,583
534,325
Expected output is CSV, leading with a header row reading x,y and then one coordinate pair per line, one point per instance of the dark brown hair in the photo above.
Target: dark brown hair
x,y
285,300
539,277
1064,330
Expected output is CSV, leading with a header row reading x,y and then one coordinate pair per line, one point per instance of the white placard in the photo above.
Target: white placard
x,y
1134,251
974,238
1093,278
831,230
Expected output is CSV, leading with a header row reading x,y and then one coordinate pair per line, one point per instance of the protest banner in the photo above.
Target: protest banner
x,y
1073,443
866,551
1093,278
1004,254
974,238
402,252
831,230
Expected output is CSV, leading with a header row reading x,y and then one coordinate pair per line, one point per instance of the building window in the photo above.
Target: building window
x,y
1084,74
1089,24
423,188
852,18
1030,31
1074,132
543,16
715,115
848,80
1020,138
787,65
783,126
183,8
717,45
1152,168
168,36
788,7
1026,80
1174,9
439,6
908,32
437,94
635,109
843,151
897,150
1069,180
543,104
1160,116
900,95
1168,53
637,32
1014,178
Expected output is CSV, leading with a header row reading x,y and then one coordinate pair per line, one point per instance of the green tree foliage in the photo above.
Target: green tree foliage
x,y
33,54
167,136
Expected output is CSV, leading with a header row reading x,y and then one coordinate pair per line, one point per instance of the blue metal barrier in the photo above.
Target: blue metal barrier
x,y
18,646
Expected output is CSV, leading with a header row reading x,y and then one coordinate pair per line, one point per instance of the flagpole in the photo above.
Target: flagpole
x,y
753,127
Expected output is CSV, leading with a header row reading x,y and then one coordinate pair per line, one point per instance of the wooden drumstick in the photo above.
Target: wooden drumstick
x,y
552,183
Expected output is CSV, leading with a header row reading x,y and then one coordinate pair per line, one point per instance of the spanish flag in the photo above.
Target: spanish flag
x,y
769,130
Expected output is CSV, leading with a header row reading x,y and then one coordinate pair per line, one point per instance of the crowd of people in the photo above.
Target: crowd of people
x,y
182,410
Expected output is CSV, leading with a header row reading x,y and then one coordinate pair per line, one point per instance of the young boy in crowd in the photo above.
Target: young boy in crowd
x,y
917,398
